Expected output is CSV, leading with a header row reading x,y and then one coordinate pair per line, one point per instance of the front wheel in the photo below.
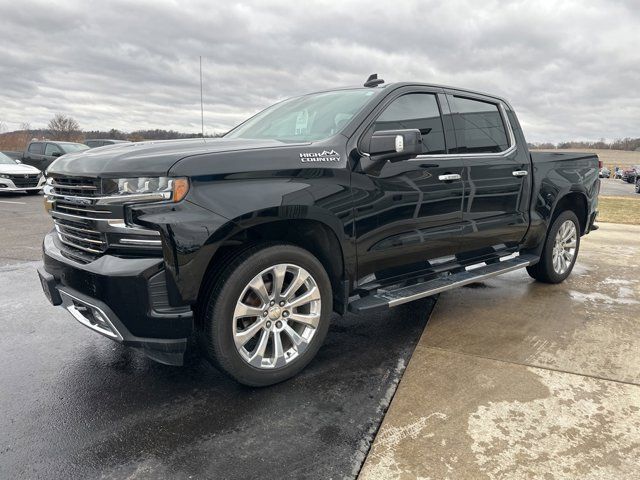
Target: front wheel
x,y
267,315
560,250
638,185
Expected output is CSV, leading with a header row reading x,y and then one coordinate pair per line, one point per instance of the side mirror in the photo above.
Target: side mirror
x,y
395,145
56,154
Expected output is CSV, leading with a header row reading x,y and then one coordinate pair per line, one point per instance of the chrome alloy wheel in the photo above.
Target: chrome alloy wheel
x,y
564,248
276,316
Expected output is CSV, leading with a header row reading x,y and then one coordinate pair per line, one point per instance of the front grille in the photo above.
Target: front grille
x,y
81,236
88,211
88,227
77,186
75,213
25,181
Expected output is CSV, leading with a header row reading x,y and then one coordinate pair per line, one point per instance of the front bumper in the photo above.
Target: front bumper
x,y
124,299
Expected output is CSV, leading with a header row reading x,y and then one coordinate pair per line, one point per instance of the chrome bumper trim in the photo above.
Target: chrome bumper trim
x,y
68,302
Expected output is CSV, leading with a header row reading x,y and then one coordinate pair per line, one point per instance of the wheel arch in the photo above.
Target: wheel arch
x,y
313,234
575,201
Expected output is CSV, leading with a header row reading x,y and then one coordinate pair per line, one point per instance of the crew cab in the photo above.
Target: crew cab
x,y
354,199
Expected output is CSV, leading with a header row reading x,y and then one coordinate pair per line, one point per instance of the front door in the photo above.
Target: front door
x,y
410,211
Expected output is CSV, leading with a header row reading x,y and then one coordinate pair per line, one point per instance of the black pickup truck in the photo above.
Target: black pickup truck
x,y
350,199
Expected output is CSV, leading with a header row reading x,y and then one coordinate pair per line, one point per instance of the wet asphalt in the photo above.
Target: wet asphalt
x,y
73,404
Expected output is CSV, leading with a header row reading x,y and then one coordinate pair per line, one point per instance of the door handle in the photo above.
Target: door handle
x,y
449,177
520,173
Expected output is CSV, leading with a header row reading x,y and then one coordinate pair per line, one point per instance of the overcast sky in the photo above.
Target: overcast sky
x,y
571,69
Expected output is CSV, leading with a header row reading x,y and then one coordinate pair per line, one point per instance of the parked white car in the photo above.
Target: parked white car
x,y
16,177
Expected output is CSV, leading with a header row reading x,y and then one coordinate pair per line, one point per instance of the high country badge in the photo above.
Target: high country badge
x,y
324,156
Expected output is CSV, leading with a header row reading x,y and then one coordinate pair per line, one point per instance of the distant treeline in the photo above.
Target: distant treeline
x,y
140,135
18,140
630,144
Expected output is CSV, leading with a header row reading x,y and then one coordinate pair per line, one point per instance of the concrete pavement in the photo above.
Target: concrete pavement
x,y
515,379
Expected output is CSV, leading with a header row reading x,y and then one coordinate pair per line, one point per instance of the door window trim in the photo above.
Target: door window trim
x,y
510,137
392,97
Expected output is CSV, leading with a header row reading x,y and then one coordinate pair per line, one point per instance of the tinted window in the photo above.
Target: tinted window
x,y
92,143
415,110
37,148
51,149
479,126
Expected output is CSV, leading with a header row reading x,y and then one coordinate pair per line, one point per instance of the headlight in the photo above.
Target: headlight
x,y
167,188
2,175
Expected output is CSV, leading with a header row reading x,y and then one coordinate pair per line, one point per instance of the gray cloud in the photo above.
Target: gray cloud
x,y
570,68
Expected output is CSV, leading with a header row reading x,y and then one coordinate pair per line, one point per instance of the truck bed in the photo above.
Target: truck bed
x,y
539,157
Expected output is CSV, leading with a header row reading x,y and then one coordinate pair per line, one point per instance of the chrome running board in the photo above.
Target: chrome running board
x,y
404,294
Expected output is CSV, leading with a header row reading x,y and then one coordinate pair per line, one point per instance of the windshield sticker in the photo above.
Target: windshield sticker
x,y
324,156
302,122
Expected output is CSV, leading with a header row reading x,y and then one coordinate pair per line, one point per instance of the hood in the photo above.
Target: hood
x,y
18,169
148,158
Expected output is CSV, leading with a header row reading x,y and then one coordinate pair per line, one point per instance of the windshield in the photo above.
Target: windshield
x,y
73,147
302,119
6,160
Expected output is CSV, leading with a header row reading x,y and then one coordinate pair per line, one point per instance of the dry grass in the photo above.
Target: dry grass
x,y
619,210
610,158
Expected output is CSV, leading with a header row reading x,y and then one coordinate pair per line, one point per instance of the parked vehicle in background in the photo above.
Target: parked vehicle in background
x,y
14,155
617,174
41,153
101,142
351,199
633,174
16,177
605,172
629,175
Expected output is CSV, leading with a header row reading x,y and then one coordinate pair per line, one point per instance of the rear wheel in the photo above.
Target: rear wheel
x,y
638,185
560,250
266,316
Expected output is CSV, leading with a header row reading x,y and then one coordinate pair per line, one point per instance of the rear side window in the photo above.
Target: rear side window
x,y
37,148
479,126
415,110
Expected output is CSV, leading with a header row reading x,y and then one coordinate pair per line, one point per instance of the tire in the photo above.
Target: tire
x,y
555,267
638,185
259,359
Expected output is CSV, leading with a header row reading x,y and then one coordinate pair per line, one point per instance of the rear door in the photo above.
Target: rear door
x,y
409,212
498,183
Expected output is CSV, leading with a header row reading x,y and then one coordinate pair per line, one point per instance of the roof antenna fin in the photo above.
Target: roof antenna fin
x,y
373,81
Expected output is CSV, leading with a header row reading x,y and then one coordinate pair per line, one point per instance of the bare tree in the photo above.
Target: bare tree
x,y
3,126
63,127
